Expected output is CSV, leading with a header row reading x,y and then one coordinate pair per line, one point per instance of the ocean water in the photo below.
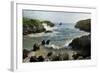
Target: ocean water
x,y
60,36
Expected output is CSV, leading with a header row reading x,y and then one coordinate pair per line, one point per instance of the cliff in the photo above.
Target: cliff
x,y
34,26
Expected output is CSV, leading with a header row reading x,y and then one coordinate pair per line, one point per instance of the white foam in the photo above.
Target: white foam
x,y
67,43
48,28
78,36
53,46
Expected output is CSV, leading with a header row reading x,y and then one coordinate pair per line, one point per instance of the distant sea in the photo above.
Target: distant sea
x,y
61,36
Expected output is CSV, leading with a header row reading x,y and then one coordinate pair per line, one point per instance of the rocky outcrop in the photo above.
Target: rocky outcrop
x,y
83,44
34,26
84,25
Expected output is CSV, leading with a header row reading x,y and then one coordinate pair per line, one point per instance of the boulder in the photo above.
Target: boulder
x,y
36,47
25,53
43,42
40,59
49,54
47,42
82,44
33,59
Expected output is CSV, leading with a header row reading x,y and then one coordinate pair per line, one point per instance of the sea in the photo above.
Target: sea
x,y
61,35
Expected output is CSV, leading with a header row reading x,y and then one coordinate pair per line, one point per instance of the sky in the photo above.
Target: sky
x,y
56,17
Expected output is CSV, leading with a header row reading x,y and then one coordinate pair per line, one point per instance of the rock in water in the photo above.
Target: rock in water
x,y
43,42
60,24
48,41
84,25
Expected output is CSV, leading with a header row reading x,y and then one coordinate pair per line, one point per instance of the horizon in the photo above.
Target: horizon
x,y
56,16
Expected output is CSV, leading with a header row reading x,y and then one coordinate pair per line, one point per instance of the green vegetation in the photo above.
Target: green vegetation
x,y
84,25
31,22
34,25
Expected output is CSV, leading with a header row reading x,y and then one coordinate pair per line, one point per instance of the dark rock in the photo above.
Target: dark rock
x,y
60,23
76,56
49,54
47,42
43,42
48,31
33,59
82,44
36,47
84,25
40,59
25,53
80,56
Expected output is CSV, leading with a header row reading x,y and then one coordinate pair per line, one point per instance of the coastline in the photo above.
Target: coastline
x,y
43,34
62,50
78,48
